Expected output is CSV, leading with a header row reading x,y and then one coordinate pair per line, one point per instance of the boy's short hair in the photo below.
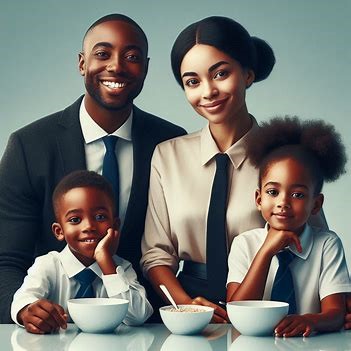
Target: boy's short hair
x,y
81,179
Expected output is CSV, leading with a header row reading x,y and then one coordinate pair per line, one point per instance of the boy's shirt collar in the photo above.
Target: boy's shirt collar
x,y
73,266
306,239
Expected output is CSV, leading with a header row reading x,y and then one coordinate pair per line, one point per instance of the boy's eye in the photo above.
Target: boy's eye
x,y
272,192
100,217
74,220
297,195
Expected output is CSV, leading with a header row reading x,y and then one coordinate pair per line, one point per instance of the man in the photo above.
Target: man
x,y
114,64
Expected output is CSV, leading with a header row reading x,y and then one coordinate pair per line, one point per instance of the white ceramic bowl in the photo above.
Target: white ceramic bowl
x,y
186,323
256,318
97,315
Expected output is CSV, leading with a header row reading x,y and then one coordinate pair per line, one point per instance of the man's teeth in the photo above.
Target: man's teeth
x,y
90,240
113,85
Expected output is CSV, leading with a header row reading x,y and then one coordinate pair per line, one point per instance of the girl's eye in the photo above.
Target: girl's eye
x,y
100,217
191,82
74,220
272,192
298,195
220,74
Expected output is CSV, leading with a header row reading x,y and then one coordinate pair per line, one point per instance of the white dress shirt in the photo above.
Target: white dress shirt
x,y
52,277
95,152
182,172
318,271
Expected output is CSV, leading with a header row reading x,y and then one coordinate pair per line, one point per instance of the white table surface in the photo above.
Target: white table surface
x,y
155,337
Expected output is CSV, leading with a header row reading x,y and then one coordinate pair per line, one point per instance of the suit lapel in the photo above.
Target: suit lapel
x,y
70,141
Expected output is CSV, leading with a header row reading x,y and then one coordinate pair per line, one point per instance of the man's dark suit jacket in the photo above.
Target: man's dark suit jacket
x,y
36,158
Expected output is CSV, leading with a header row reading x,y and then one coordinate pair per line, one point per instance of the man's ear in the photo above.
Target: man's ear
x,y
258,199
58,231
147,66
318,203
81,63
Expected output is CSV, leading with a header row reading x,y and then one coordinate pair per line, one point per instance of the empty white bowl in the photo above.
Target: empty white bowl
x,y
186,323
256,318
97,315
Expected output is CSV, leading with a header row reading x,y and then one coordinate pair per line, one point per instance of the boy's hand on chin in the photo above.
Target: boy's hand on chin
x,y
108,244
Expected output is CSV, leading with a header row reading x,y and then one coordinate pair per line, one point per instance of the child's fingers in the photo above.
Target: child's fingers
x,y
60,316
308,331
31,328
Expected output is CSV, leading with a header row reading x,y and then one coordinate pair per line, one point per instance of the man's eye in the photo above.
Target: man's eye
x,y
74,220
101,54
133,57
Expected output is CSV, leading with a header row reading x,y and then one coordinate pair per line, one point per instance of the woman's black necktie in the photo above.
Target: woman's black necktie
x,y
216,246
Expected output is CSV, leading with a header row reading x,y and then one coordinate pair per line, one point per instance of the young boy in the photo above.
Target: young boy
x,y
85,214
289,260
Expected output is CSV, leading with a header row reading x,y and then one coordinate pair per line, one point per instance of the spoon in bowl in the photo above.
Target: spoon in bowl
x,y
169,296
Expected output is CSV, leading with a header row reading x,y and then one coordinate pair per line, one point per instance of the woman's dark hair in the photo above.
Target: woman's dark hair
x,y
228,36
314,143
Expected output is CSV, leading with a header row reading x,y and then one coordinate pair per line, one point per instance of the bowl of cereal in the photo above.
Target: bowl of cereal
x,y
187,320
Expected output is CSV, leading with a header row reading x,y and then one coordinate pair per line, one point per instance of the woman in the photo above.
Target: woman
x,y
214,60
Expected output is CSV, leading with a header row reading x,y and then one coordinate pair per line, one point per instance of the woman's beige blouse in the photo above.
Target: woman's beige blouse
x,y
182,172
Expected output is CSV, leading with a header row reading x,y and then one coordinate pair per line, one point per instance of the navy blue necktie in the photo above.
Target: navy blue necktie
x,y
283,285
216,243
110,166
85,279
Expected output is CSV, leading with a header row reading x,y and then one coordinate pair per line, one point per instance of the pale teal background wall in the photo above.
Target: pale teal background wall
x,y
39,42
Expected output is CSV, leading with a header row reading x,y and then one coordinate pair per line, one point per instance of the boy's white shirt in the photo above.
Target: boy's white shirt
x,y
318,271
51,278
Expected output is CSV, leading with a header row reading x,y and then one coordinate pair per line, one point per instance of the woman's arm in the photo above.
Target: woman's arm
x,y
164,275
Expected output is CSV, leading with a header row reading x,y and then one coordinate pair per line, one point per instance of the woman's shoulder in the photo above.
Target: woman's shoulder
x,y
178,146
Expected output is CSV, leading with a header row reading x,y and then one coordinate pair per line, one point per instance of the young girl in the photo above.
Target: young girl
x,y
294,158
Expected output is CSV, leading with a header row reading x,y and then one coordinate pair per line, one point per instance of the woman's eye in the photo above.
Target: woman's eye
x,y
272,192
74,220
220,74
191,82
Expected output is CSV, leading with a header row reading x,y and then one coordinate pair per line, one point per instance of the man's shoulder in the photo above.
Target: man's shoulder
x,y
46,123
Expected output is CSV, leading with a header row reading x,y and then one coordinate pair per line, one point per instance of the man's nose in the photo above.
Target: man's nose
x,y
114,64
